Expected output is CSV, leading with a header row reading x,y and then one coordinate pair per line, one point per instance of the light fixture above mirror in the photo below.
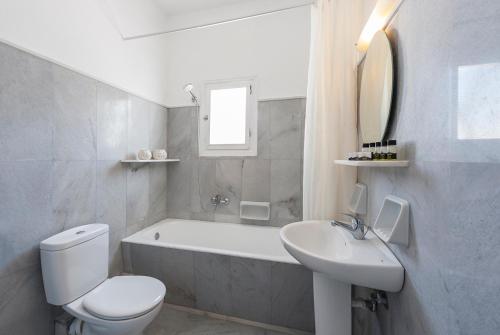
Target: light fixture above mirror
x,y
381,15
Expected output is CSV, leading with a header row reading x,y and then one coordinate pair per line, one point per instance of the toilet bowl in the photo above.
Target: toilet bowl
x,y
123,305
75,276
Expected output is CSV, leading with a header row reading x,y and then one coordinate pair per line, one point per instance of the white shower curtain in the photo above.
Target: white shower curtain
x,y
330,130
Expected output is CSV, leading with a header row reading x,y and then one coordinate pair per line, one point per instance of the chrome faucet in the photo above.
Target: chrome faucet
x,y
353,224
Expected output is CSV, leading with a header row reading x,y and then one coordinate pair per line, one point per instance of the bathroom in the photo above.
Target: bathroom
x,y
181,167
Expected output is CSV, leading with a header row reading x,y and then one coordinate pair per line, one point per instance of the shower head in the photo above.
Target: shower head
x,y
188,88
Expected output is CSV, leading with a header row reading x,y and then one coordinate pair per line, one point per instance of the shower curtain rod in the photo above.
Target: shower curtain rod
x,y
216,23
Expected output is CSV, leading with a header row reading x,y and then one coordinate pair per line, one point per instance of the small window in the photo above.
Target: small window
x,y
228,119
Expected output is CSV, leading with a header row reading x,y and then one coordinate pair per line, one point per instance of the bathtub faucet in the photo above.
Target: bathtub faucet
x,y
218,199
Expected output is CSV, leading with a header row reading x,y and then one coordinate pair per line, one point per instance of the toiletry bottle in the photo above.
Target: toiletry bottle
x,y
392,150
366,151
378,146
383,153
372,150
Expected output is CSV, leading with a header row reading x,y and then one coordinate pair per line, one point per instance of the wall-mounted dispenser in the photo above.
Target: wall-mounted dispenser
x,y
393,221
359,199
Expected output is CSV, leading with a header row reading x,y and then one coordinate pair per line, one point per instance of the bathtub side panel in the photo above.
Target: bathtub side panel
x,y
257,290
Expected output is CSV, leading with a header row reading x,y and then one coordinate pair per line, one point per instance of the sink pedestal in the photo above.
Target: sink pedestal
x,y
332,306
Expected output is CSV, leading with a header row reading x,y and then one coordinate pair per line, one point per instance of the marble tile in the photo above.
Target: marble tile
x,y
25,204
75,115
251,289
74,193
138,126
180,132
292,302
195,117
145,260
111,207
256,180
112,123
179,186
228,180
286,191
112,194
137,199
26,105
178,275
23,308
127,249
157,193
286,123
264,130
213,283
158,127
203,188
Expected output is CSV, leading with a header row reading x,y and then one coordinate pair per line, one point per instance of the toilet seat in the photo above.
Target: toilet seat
x,y
124,297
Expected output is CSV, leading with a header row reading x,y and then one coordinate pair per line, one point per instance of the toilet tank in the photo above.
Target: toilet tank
x,y
74,262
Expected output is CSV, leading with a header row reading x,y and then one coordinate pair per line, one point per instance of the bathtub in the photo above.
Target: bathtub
x,y
230,269
230,239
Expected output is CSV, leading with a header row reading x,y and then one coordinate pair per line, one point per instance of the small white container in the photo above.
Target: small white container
x,y
393,221
159,154
144,155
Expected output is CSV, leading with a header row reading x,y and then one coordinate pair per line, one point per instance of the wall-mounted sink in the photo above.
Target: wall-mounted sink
x,y
334,252
338,261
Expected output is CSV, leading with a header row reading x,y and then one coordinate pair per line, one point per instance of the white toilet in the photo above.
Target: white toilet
x,y
75,276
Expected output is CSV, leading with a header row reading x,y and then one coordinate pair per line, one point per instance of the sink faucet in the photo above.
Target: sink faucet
x,y
351,223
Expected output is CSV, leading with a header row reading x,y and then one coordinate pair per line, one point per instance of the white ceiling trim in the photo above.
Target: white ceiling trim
x,y
143,18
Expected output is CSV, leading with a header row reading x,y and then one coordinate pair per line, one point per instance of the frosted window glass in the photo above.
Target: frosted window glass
x,y
228,116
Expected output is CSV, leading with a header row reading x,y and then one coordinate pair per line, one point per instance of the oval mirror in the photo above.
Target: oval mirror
x,y
376,89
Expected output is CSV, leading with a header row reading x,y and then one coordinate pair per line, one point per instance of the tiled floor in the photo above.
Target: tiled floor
x,y
175,321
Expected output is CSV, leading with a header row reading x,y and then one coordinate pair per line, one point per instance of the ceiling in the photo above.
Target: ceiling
x,y
142,18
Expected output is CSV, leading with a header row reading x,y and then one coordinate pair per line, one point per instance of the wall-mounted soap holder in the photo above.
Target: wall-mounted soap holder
x,y
393,221
359,198
255,210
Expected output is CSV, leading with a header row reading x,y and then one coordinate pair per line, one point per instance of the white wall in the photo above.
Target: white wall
x,y
273,47
79,35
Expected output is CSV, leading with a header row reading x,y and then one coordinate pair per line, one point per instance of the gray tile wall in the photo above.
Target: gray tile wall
x,y
61,136
269,292
274,176
448,58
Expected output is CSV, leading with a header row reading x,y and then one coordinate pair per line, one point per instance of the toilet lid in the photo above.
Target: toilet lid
x,y
124,297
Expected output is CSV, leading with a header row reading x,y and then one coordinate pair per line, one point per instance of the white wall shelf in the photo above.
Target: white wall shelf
x,y
374,163
136,164
131,161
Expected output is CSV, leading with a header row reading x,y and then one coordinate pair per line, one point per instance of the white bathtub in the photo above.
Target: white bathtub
x,y
213,237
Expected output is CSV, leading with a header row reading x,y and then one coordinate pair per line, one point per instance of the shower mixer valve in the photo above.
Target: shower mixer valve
x,y
218,199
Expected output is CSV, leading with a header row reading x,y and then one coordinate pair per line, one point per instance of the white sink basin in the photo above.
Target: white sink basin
x,y
334,252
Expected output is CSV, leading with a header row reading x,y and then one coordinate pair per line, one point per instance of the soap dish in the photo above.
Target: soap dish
x,y
393,221
255,210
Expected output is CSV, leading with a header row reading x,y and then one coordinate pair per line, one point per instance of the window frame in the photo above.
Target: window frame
x,y
228,150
